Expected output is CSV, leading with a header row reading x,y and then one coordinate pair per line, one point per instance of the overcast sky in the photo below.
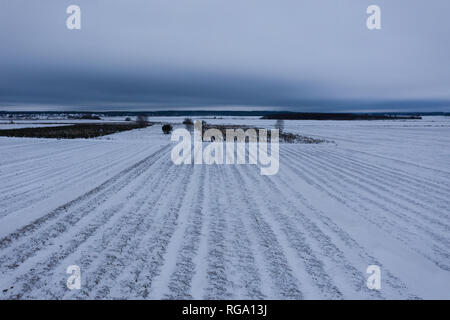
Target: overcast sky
x,y
303,55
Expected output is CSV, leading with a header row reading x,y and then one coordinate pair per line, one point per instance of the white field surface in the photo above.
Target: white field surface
x,y
20,125
140,227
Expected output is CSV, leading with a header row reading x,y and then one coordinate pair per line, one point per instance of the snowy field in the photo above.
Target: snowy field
x,y
140,227
27,124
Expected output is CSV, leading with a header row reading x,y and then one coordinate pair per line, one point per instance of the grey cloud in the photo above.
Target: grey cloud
x,y
300,55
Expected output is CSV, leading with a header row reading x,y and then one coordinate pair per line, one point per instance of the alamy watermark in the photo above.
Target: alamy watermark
x,y
73,21
235,139
374,280
373,22
74,280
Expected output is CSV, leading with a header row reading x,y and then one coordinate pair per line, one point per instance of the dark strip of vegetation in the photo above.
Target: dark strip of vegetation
x,y
84,130
289,137
337,116
89,116
285,137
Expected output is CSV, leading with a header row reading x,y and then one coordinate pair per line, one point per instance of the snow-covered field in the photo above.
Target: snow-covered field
x,y
27,124
140,227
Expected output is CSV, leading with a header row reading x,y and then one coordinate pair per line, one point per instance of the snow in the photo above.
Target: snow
x,y
23,124
140,227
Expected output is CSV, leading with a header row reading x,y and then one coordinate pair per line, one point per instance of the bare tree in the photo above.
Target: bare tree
x,y
142,120
279,125
188,123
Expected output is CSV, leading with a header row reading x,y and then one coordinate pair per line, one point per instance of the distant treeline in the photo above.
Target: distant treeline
x,y
337,116
168,113
206,113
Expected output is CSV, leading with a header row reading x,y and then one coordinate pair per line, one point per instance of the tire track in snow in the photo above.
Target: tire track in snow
x,y
375,186
346,180
339,238
333,188
246,278
402,162
289,212
23,178
45,156
218,284
36,194
137,280
286,285
178,272
88,228
295,238
385,171
347,200
113,256
81,206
